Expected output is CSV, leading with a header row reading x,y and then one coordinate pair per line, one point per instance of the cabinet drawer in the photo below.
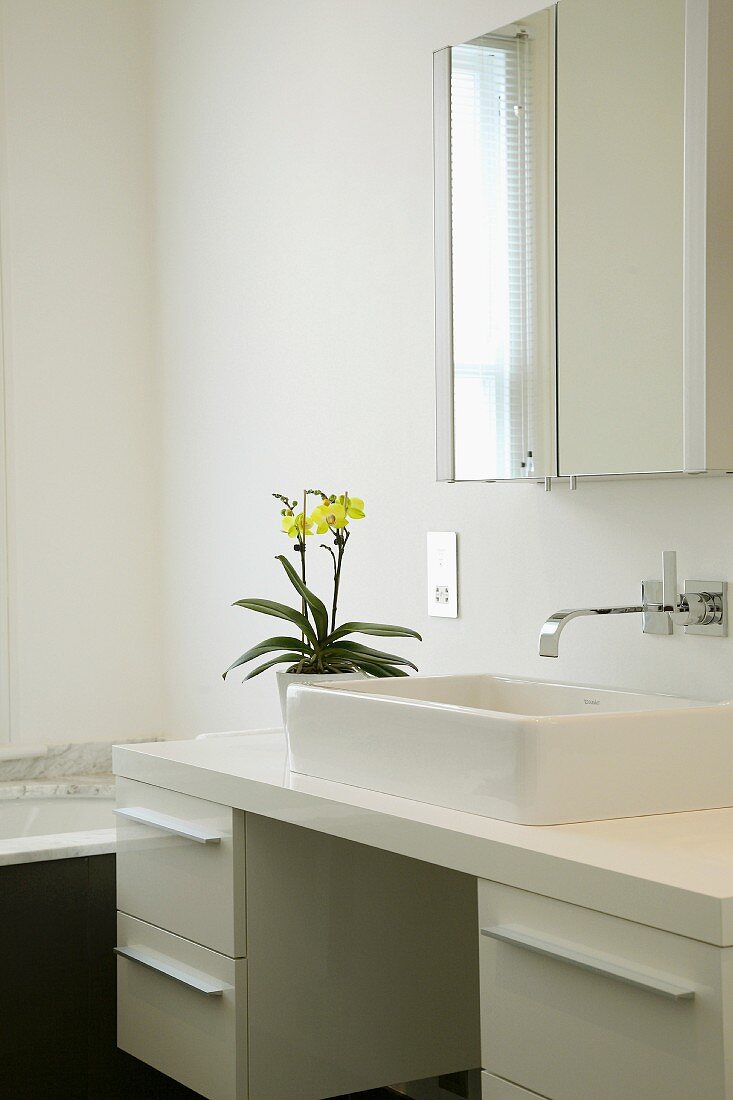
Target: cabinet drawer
x,y
180,865
578,1004
182,1009
495,1088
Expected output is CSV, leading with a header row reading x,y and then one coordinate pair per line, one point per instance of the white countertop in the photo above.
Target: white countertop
x,y
670,871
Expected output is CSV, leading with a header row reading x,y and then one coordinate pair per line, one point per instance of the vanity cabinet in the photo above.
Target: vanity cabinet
x,y
259,960
181,944
496,1088
182,1008
388,940
181,865
578,1004
359,963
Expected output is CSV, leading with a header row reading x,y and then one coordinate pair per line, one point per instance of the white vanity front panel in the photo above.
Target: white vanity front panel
x,y
577,1004
496,1088
182,1009
180,865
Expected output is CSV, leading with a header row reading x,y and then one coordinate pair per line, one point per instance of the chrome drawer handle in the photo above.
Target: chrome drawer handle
x,y
188,829
202,983
586,960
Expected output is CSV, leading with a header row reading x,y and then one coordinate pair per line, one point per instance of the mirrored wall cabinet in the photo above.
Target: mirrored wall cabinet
x,y
584,243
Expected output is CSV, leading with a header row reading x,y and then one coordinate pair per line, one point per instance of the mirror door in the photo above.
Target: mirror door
x,y
620,219
496,228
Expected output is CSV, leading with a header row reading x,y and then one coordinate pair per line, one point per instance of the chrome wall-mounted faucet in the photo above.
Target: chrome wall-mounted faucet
x,y
701,608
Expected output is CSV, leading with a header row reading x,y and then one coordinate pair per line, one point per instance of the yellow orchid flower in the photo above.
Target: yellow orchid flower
x,y
329,515
354,506
295,526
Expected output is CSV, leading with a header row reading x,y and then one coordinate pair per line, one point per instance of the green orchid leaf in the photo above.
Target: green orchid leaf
x,y
285,658
353,657
269,645
382,630
320,615
379,670
366,651
281,611
334,655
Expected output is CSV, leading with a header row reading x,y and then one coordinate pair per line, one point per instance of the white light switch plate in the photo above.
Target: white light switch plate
x,y
442,574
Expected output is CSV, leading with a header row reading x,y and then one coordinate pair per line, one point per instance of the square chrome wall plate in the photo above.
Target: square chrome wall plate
x,y
718,628
654,623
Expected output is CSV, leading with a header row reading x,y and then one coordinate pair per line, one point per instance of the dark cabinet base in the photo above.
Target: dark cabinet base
x,y
57,989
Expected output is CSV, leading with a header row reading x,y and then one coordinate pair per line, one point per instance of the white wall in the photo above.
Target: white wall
x,y
81,398
291,217
294,202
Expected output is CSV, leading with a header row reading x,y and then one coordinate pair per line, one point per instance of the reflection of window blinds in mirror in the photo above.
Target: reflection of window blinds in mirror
x,y
493,257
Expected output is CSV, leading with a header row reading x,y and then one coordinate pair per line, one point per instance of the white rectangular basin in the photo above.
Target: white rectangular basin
x,y
519,750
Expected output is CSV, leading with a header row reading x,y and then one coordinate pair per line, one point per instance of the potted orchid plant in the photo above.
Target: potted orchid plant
x,y
323,648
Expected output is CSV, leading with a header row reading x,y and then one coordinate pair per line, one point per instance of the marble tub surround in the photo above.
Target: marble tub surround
x,y
59,761
59,773
56,819
69,786
36,849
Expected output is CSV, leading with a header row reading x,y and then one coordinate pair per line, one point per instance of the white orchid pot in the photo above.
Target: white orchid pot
x,y
286,679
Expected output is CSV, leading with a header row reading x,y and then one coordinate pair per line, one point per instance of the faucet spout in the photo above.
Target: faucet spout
x,y
700,608
553,628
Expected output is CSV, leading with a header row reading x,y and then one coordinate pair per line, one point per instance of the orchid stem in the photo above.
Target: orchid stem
x,y
301,542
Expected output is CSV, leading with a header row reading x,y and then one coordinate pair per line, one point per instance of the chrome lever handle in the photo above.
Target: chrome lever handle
x,y
680,611
660,598
670,592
